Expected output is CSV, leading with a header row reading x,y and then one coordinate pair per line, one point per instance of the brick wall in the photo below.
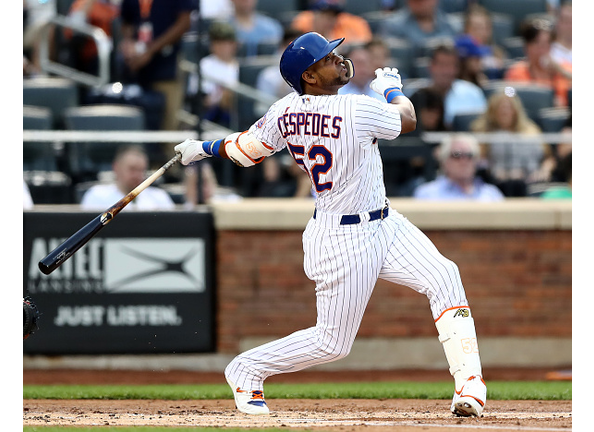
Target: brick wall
x,y
518,284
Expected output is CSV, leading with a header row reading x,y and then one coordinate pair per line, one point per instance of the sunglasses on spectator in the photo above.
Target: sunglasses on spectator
x,y
461,155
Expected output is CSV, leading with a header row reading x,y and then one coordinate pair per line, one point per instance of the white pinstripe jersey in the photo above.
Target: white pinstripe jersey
x,y
334,139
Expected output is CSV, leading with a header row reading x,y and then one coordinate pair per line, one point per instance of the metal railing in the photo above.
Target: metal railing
x,y
104,49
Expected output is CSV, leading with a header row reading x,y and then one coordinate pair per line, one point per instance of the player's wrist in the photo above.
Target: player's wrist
x,y
212,148
392,92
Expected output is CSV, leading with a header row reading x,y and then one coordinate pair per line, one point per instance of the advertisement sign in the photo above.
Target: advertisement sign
x,y
143,284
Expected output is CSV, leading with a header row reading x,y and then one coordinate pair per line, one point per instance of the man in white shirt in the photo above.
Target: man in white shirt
x,y
129,167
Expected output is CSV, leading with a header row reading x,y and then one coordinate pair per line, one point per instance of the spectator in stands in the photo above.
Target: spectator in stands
x,y
512,164
478,26
98,13
561,191
35,15
380,54
221,63
211,191
458,156
151,39
364,73
459,96
329,18
129,169
283,178
471,55
539,67
429,105
418,22
253,27
561,46
270,80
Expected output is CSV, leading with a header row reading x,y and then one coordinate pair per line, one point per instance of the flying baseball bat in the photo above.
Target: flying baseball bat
x,y
77,240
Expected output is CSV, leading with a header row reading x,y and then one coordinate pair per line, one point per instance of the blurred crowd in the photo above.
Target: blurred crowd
x,y
497,74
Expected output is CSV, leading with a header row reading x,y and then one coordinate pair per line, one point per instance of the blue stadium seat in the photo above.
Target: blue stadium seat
x,y
274,7
462,121
38,156
87,159
359,7
552,120
249,68
534,97
453,6
517,9
57,94
514,47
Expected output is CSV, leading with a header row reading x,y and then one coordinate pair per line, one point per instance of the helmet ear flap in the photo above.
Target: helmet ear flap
x,y
350,68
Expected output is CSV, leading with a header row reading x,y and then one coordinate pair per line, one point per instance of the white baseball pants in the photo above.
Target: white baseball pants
x,y
345,262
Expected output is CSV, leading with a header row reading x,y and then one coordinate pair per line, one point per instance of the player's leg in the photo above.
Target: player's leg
x,y
345,270
414,261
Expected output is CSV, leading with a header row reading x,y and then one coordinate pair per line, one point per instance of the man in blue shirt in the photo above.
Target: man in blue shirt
x,y
458,156
253,28
418,22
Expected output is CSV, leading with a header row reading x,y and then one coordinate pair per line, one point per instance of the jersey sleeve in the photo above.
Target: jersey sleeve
x,y
376,119
266,130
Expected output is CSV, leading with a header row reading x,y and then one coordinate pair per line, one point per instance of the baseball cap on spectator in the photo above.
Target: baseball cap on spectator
x,y
221,31
468,47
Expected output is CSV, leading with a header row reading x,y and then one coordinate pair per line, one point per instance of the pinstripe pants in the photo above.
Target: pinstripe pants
x,y
345,262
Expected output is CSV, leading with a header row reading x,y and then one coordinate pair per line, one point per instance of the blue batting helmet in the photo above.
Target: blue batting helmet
x,y
304,51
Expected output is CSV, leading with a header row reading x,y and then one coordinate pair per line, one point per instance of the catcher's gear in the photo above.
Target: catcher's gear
x,y
191,151
245,149
303,52
385,79
30,317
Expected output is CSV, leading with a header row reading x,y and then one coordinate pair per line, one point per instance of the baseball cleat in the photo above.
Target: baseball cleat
x,y
470,400
249,401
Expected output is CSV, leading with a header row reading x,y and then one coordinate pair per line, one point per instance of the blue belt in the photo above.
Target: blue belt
x,y
355,219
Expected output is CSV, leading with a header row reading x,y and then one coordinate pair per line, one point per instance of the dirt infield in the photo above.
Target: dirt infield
x,y
353,415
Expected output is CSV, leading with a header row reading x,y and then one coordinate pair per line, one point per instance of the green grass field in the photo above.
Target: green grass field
x,y
498,390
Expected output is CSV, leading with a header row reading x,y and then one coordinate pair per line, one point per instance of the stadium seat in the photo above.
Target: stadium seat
x,y
534,97
514,47
517,9
411,85
401,176
401,52
552,120
249,68
38,156
421,67
275,7
87,158
453,6
359,7
57,94
503,27
462,121
375,20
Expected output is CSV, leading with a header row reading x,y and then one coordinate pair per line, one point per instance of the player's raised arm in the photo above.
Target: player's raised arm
x,y
243,148
387,82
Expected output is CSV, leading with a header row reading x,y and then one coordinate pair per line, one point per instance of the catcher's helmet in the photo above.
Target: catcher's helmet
x,y
304,51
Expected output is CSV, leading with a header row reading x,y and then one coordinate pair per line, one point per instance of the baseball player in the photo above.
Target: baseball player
x,y
354,237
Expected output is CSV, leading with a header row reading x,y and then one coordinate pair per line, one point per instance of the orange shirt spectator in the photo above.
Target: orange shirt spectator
x,y
538,67
98,13
328,18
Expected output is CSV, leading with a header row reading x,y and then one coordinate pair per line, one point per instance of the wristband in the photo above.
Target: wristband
x,y
391,93
212,147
